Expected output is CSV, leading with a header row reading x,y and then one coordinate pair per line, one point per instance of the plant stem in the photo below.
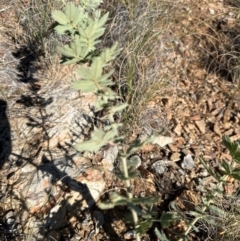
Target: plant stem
x,y
129,194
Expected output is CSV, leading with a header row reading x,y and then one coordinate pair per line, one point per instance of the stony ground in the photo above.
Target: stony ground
x,y
49,190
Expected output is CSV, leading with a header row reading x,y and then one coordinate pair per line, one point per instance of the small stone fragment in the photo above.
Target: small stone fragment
x,y
162,140
110,156
212,11
204,173
158,167
207,180
188,162
130,235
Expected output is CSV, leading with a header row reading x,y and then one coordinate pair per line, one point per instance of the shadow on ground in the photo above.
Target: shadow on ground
x,y
5,134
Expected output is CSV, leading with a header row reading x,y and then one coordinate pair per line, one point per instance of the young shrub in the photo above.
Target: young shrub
x,y
85,25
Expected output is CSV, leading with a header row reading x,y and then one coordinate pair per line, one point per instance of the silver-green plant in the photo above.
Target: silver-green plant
x,y
84,24
208,211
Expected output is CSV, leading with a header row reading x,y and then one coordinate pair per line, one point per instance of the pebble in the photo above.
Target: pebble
x,y
203,173
130,235
188,162
10,221
110,157
158,167
212,11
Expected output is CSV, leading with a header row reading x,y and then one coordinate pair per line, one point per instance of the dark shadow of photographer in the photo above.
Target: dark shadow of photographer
x,y
5,134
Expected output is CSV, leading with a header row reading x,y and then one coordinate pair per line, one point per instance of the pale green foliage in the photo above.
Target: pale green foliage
x,y
208,208
90,4
85,31
99,138
85,26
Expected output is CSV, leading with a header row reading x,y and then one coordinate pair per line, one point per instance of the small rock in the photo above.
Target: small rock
x,y
162,140
158,167
130,235
188,162
10,214
212,11
109,158
204,173
10,221
213,185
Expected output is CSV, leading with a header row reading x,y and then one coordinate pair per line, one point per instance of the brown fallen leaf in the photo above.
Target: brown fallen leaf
x,y
191,126
173,148
178,129
195,118
216,129
229,188
201,125
227,112
217,110
147,147
227,125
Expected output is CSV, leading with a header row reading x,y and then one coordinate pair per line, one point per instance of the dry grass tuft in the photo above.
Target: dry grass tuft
x,y
37,26
141,28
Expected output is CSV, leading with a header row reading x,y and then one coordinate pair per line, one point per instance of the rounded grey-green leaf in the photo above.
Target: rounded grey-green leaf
x,y
134,161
